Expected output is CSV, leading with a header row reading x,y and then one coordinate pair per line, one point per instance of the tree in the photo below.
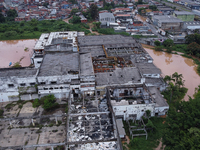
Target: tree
x,y
142,11
153,7
178,79
45,4
11,14
168,43
168,79
140,2
157,43
192,38
177,76
36,103
183,126
74,11
75,20
193,48
50,102
148,113
2,18
93,11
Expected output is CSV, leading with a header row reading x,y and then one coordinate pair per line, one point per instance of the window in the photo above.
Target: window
x,y
45,88
39,62
10,85
22,84
53,82
32,84
42,83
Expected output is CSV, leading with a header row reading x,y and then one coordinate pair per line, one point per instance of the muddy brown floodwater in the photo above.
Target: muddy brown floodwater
x,y
13,51
170,63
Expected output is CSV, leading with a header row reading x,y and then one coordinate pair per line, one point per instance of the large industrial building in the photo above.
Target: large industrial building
x,y
113,65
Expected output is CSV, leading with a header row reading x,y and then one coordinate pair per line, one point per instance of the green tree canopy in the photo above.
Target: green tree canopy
x,y
93,10
192,38
193,48
183,126
157,43
2,18
11,14
75,20
168,43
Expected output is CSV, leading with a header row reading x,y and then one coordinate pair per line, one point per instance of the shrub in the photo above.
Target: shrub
x,y
36,103
10,33
50,102
1,112
157,43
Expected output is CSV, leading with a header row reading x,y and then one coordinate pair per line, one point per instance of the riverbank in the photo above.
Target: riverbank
x,y
170,63
16,51
179,50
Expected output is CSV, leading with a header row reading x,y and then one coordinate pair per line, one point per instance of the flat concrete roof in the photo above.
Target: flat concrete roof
x,y
167,19
106,15
104,39
86,66
157,81
183,13
160,101
96,50
19,72
42,41
59,64
118,77
120,127
148,68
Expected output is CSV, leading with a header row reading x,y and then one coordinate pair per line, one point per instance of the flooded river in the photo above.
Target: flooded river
x,y
14,51
170,63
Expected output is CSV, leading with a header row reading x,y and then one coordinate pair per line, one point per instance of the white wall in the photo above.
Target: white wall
x,y
138,109
152,75
37,62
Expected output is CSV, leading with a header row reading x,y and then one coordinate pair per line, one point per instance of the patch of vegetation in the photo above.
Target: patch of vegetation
x,y
154,136
36,103
10,105
48,102
175,91
54,130
51,125
34,28
182,124
16,65
1,112
26,143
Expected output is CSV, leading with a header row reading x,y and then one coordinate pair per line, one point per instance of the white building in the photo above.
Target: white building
x,y
18,84
106,18
133,102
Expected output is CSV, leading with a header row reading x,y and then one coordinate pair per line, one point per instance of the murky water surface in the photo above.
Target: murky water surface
x,y
170,63
14,51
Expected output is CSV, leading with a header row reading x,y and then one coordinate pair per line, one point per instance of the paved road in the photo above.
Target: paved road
x,y
180,7
153,29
